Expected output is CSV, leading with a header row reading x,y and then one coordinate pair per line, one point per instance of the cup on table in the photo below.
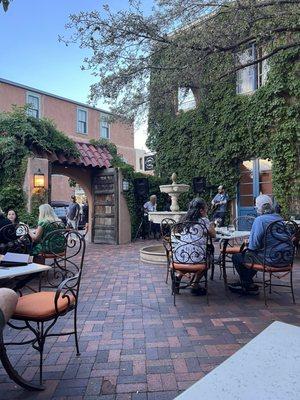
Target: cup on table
x,y
231,228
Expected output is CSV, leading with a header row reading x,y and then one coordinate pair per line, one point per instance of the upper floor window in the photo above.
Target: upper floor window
x,y
141,163
104,128
82,116
33,100
186,99
250,78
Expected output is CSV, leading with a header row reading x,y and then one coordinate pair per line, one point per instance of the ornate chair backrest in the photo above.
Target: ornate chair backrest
x,y
165,227
295,233
15,238
189,242
68,249
165,231
279,249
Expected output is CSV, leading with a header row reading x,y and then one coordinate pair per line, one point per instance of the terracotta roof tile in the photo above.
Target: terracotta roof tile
x,y
90,156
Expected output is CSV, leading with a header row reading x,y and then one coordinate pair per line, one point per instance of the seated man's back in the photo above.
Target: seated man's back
x,y
276,248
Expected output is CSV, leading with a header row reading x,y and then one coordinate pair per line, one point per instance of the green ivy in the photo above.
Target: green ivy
x,y
226,129
20,136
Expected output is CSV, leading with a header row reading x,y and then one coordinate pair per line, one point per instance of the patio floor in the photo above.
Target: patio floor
x,y
135,345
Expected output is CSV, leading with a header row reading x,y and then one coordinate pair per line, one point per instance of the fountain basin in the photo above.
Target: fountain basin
x,y
154,254
174,188
157,216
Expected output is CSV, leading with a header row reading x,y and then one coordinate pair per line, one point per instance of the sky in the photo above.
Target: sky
x,y
30,53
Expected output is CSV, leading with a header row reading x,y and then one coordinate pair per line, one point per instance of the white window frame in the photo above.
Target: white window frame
x,y
250,71
36,95
86,122
104,119
186,99
259,71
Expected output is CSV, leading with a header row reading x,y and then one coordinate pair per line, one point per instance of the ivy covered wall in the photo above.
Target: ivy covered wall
x,y
20,136
227,128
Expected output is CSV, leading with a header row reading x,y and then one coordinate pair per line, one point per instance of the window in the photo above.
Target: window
x,y
104,128
263,69
186,99
251,78
82,121
246,77
33,100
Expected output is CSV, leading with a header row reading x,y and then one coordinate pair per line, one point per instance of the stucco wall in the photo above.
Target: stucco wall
x,y
64,113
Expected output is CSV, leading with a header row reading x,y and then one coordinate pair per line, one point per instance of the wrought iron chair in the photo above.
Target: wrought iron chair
x,y
165,231
8,302
40,311
15,238
189,255
278,255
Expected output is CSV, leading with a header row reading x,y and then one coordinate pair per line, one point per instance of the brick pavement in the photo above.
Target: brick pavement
x,y
135,345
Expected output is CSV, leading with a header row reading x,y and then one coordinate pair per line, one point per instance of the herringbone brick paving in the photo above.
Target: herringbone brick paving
x,y
135,345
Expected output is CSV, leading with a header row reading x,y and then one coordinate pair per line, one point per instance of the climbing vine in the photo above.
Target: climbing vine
x,y
134,203
227,128
20,136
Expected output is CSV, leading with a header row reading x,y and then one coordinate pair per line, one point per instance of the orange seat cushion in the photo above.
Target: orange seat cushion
x,y
233,250
189,267
40,306
260,267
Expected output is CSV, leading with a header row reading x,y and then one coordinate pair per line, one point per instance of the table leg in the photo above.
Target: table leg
x,y
225,243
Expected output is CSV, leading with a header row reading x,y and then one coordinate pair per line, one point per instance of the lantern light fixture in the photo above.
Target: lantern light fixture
x,y
39,179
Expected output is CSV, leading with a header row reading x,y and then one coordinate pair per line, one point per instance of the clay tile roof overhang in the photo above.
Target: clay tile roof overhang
x,y
90,156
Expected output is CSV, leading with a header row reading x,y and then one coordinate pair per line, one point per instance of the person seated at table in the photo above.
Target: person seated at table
x,y
12,215
255,250
191,246
46,220
3,222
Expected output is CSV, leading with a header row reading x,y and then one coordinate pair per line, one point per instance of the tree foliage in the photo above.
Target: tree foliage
x,y
5,4
126,45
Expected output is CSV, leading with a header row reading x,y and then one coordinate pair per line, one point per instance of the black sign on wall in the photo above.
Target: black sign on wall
x,y
149,162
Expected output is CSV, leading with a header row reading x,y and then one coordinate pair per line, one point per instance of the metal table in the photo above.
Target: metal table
x,y
225,237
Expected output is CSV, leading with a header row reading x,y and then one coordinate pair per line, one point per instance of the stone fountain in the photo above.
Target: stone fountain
x,y
156,254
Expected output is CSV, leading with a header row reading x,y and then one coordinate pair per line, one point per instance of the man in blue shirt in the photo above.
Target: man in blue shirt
x,y
258,249
219,204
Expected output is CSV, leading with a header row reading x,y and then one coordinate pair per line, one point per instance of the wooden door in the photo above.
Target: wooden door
x,y
105,193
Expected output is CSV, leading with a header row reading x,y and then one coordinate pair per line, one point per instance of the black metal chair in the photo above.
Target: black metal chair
x,y
15,238
278,256
8,302
40,311
189,255
165,231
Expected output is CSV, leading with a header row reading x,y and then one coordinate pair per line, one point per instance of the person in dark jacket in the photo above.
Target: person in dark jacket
x,y
3,222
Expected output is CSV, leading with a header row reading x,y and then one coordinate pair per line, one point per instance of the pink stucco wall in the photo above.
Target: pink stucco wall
x,y
64,113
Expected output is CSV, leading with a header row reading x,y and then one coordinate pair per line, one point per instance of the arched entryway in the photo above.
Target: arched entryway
x,y
108,213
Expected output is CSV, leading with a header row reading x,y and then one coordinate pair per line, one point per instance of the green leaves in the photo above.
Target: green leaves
x,y
227,128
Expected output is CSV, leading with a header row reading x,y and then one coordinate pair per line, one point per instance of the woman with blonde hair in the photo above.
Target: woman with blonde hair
x,y
46,224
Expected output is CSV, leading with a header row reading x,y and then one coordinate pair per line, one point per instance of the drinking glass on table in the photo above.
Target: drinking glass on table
x,y
231,228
